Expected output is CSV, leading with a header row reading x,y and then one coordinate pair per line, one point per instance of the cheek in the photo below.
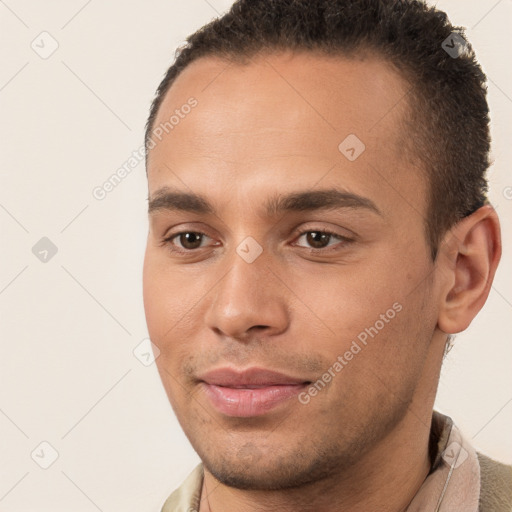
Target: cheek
x,y
153,296
345,300
378,315
162,291
172,303
160,299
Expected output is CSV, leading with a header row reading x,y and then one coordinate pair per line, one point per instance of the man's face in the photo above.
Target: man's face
x,y
258,288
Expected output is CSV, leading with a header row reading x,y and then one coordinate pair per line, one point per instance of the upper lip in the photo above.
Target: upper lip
x,y
230,377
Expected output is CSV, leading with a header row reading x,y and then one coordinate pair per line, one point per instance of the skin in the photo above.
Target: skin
x,y
274,126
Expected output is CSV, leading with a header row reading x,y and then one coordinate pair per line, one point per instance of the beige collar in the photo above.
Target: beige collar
x,y
453,483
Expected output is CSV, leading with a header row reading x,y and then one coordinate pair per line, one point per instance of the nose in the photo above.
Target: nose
x,y
250,300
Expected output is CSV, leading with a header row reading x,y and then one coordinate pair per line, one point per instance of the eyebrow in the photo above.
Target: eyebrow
x,y
307,200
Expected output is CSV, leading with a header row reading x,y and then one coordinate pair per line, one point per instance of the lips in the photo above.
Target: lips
x,y
251,392
256,377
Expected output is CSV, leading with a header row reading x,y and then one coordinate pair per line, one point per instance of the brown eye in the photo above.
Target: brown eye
x,y
317,239
321,241
184,242
190,240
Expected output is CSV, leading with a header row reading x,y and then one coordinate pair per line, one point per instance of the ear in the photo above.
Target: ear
x,y
468,260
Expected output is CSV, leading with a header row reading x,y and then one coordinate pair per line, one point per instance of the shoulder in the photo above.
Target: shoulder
x,y
496,485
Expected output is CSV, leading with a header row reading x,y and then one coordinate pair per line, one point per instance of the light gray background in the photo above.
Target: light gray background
x,y
69,326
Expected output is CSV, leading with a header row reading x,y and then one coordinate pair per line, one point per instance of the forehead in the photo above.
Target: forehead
x,y
328,93
282,116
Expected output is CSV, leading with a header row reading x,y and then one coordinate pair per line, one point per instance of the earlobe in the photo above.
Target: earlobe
x,y
470,258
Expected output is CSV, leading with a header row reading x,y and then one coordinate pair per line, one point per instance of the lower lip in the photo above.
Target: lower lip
x,y
245,402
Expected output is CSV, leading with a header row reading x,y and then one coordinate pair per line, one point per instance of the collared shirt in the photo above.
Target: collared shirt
x,y
452,485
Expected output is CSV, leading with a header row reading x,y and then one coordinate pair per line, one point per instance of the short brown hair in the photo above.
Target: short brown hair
x,y
448,129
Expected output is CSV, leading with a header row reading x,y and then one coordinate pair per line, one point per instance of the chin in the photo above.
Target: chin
x,y
251,468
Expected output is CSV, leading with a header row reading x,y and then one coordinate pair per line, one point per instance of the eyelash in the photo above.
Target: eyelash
x,y
344,240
